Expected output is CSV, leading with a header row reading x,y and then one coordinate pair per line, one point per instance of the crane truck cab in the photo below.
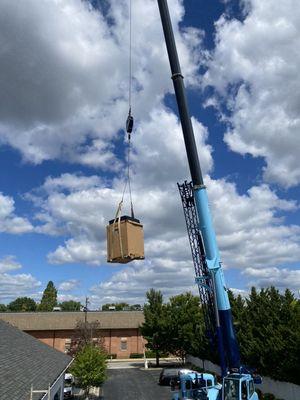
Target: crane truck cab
x,y
195,385
239,387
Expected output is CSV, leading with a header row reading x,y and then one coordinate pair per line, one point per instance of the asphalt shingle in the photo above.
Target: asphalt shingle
x,y
25,361
39,321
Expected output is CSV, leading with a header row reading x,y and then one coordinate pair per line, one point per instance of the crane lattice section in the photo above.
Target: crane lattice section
x,y
198,254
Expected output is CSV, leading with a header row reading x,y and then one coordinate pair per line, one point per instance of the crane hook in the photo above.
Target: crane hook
x,y
129,123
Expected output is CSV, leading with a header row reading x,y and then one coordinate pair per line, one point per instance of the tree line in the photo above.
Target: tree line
x,y
47,303
267,325
122,306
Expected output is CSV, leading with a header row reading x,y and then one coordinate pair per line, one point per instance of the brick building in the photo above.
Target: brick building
x,y
119,329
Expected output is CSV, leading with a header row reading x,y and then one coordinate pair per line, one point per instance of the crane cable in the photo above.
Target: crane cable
x,y
129,123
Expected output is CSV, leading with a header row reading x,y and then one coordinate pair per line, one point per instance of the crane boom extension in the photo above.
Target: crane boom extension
x,y
228,346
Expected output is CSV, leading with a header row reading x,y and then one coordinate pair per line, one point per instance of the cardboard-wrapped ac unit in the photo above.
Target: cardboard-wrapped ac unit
x,y
125,240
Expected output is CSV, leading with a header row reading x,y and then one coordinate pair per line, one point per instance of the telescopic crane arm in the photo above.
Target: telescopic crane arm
x,y
228,346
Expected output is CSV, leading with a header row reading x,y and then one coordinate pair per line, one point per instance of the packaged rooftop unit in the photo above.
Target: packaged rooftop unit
x,y
125,240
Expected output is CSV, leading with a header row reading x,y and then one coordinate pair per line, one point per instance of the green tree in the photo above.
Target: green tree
x,y
70,305
136,307
22,304
185,325
86,333
267,325
155,329
49,299
3,308
89,367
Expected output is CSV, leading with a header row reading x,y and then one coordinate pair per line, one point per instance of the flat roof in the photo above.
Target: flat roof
x,y
59,320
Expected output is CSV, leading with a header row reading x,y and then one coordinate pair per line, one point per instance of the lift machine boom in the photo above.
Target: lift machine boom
x,y
206,258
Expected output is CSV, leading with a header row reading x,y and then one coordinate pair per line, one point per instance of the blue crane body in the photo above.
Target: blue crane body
x,y
209,272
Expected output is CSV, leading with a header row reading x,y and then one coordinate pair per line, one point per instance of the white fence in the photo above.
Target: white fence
x,y
282,390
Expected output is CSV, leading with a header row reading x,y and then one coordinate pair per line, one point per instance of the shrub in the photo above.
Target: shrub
x,y
269,396
136,355
89,367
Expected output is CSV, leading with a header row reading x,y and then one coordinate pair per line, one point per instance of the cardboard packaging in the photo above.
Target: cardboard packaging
x,y
125,240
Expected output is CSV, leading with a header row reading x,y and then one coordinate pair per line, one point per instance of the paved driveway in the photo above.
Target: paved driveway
x,y
134,384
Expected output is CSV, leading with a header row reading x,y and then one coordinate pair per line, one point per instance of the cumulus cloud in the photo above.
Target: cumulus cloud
x,y
68,285
77,250
66,98
71,182
79,207
170,277
15,285
250,228
251,232
159,151
65,86
281,278
255,71
68,297
9,263
9,221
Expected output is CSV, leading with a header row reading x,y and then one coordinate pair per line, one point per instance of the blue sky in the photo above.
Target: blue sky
x,y
64,85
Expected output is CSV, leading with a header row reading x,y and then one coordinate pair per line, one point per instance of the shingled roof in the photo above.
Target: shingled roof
x,y
25,361
38,321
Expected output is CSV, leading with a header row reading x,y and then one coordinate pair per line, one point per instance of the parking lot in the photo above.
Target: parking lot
x,y
132,382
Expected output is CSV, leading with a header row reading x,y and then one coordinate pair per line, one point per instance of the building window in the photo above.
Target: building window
x,y
123,344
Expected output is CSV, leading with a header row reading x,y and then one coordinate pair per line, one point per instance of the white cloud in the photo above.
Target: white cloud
x,y
251,231
69,100
15,285
159,151
71,182
68,297
68,285
64,71
9,263
131,284
240,292
250,234
281,278
77,251
79,207
9,222
255,68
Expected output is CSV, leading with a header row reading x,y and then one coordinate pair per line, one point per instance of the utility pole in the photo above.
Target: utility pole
x,y
86,334
86,310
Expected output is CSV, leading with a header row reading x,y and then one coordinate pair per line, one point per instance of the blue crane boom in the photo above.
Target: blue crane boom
x,y
208,268
228,344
